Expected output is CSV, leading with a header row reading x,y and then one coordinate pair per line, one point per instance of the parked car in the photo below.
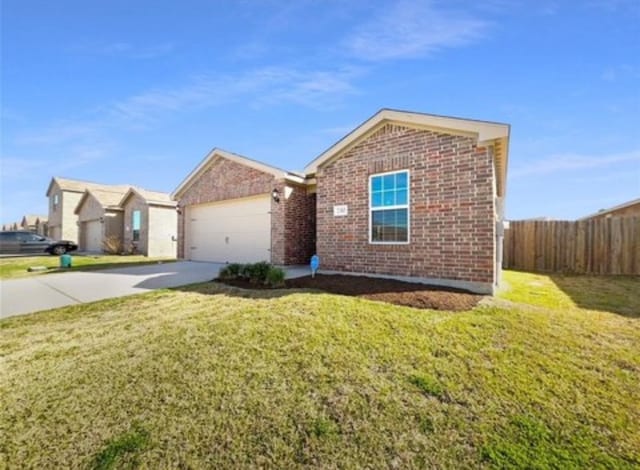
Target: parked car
x,y
22,242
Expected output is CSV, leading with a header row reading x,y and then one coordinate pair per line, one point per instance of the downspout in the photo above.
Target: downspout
x,y
499,239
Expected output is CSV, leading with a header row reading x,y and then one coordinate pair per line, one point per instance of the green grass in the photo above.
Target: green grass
x,y
122,447
18,266
618,294
213,377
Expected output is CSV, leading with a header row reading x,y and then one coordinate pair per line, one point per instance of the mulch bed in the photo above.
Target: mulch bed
x,y
385,290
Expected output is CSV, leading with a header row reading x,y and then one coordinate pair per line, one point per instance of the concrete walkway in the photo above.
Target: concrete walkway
x,y
43,292
20,296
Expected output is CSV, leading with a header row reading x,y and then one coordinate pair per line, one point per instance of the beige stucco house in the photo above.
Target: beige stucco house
x,y
100,217
150,223
35,223
64,195
11,226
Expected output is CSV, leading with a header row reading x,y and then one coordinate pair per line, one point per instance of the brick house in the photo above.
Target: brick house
x,y
413,196
232,208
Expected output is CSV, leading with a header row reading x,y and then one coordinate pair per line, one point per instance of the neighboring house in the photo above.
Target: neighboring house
x,y
99,217
150,223
64,195
35,223
406,195
627,209
11,226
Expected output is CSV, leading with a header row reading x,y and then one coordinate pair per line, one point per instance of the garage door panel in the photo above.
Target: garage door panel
x,y
231,231
93,236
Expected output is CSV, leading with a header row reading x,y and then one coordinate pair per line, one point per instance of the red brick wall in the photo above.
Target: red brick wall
x,y
224,179
451,207
300,226
293,225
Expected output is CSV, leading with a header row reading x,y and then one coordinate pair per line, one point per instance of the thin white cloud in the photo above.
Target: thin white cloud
x,y
265,86
57,133
312,88
568,162
71,157
411,29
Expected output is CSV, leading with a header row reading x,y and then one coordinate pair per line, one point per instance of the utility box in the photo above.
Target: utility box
x,y
65,261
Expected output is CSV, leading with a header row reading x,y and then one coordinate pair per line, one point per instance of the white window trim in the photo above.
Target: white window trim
x,y
403,206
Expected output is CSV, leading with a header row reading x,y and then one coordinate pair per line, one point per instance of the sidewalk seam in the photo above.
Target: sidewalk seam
x,y
60,291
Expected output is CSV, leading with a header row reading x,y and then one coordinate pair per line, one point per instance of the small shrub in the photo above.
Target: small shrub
x,y
246,271
230,271
256,273
275,277
260,271
112,245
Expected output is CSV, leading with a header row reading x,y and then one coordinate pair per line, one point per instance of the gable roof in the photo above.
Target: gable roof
x,y
79,186
216,154
107,199
485,132
153,198
602,212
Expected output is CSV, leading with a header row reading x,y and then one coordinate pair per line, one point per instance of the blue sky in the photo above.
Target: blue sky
x,y
139,92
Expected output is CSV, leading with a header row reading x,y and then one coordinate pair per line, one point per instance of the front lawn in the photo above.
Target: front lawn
x,y
18,266
214,377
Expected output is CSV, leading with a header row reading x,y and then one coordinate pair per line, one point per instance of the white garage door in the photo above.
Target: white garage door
x,y
93,236
237,230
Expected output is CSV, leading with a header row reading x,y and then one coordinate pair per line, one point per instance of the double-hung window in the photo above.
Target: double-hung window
x,y
389,208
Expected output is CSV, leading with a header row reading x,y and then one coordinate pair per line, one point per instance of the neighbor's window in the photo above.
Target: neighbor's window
x,y
389,206
135,225
56,200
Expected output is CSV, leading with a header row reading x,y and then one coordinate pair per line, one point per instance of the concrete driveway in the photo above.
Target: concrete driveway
x,y
20,296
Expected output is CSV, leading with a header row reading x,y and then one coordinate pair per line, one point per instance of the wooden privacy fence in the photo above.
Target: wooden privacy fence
x,y
600,246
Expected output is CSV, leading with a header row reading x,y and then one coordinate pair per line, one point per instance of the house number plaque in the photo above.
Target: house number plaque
x,y
340,211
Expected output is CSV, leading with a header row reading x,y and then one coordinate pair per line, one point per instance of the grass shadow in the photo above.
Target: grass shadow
x,y
615,294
